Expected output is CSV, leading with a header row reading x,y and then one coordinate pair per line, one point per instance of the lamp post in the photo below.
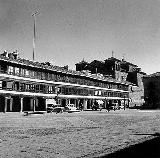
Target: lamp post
x,y
34,32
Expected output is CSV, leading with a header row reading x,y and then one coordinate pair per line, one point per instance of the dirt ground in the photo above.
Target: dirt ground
x,y
86,134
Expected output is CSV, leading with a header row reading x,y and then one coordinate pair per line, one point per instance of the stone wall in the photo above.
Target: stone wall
x,y
136,93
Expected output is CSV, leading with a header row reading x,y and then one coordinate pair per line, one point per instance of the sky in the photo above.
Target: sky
x,y
68,31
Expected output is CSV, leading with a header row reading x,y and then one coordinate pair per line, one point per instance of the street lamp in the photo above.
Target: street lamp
x,y
34,32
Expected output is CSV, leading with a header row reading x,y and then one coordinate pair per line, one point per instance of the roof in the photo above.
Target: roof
x,y
96,62
82,62
122,61
128,63
113,59
156,74
53,68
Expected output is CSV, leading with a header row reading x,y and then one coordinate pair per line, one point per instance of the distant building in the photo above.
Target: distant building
x,y
152,90
119,70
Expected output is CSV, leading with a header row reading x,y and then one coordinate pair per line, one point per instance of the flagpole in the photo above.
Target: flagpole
x,y
34,32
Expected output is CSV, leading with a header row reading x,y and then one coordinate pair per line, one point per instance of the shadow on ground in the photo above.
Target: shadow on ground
x,y
147,149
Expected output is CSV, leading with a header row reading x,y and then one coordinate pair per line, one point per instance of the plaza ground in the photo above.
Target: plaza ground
x,y
86,134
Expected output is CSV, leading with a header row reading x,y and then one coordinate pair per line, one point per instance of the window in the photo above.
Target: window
x,y
17,70
37,88
16,86
63,90
35,74
0,84
22,72
49,76
27,72
39,75
43,76
22,86
27,87
10,70
9,85
32,87
46,76
42,89
106,94
50,89
4,84
3,68
31,73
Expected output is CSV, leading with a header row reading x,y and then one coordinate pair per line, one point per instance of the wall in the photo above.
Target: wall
x,y
120,76
152,92
136,92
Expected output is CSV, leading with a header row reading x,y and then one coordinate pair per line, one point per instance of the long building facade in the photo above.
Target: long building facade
x,y
31,86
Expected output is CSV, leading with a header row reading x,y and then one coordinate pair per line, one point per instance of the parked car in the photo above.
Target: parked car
x,y
60,109
53,108
71,108
49,109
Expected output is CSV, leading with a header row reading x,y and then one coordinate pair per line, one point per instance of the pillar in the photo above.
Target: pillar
x,y
84,104
78,102
90,103
69,102
34,104
21,103
45,103
5,106
105,101
11,103
124,103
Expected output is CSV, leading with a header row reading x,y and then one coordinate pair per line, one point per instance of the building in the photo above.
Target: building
x,y
152,90
30,86
121,71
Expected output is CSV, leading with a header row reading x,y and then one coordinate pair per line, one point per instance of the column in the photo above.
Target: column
x,y
69,102
124,103
128,102
105,103
65,102
45,103
90,103
11,103
78,101
34,104
5,106
21,103
84,104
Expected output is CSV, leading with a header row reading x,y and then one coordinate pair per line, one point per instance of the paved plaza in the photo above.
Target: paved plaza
x,y
73,135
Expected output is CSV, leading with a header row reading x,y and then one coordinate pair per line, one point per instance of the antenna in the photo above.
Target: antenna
x,y
34,32
112,54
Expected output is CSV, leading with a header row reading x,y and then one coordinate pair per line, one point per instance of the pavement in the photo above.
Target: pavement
x,y
85,134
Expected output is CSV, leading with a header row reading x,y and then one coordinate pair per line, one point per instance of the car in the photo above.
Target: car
x,y
49,109
54,108
70,109
58,109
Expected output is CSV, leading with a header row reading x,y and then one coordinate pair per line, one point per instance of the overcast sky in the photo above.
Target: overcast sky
x,y
70,30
